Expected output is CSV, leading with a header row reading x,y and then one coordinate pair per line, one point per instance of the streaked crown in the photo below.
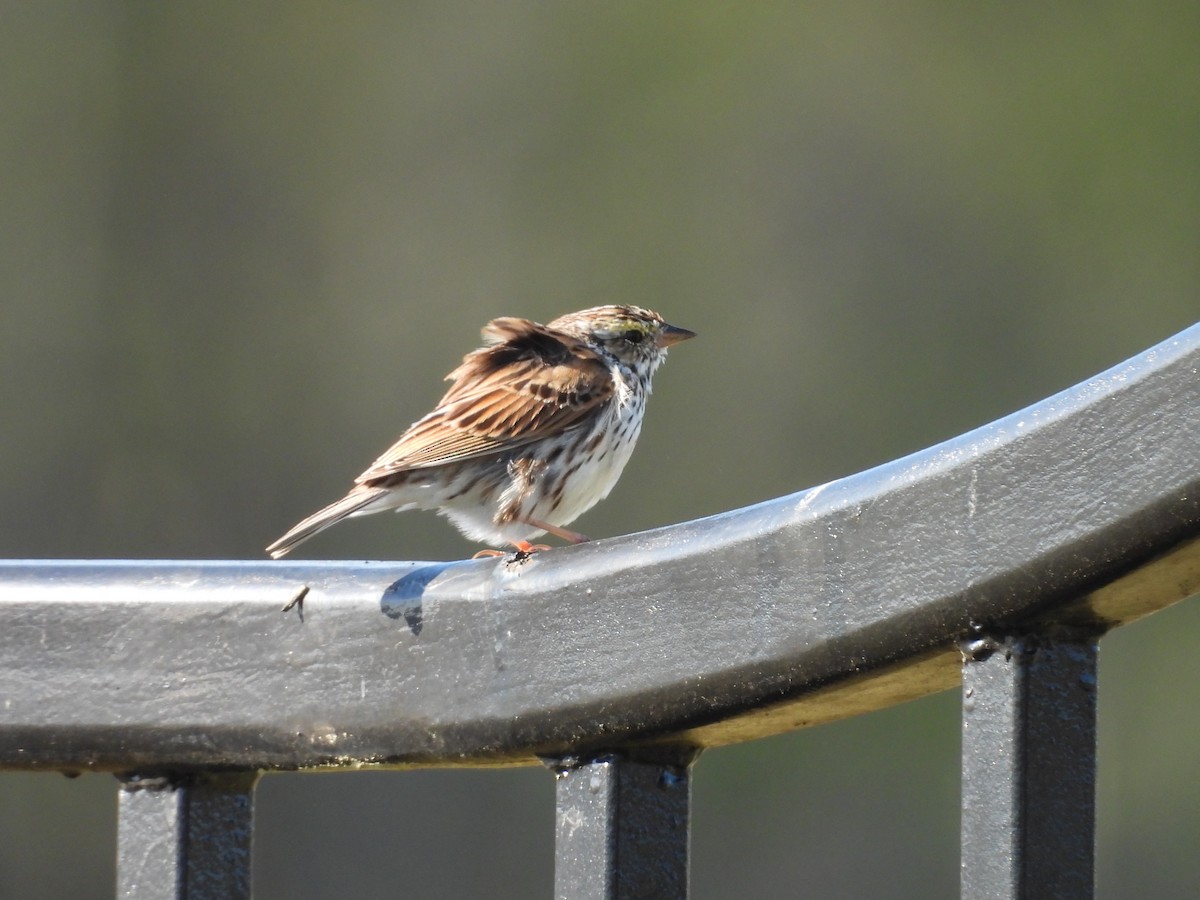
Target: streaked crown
x,y
637,337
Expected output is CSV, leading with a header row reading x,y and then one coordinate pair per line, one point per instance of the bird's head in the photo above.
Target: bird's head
x,y
637,337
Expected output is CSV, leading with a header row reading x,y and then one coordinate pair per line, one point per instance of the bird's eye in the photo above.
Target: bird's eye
x,y
634,336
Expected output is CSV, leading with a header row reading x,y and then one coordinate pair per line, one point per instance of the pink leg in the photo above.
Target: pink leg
x,y
573,537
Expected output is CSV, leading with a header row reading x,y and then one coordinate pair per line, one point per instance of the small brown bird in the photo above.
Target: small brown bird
x,y
534,431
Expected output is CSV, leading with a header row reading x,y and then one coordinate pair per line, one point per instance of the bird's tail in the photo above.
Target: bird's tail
x,y
356,501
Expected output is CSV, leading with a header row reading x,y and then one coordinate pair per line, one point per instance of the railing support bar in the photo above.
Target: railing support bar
x,y
623,827
185,838
1029,767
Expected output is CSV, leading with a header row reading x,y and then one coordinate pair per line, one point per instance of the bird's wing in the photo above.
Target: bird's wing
x,y
529,382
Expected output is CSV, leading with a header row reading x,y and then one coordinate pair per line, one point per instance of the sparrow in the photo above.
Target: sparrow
x,y
534,431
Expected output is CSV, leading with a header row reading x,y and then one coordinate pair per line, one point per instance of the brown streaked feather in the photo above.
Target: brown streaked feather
x,y
529,382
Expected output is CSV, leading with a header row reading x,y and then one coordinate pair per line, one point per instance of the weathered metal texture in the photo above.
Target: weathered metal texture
x,y
843,598
622,828
185,838
1029,767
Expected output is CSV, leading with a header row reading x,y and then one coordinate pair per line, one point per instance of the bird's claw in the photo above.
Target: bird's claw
x,y
524,551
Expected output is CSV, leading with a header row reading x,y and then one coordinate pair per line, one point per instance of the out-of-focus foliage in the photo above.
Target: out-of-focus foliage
x,y
243,242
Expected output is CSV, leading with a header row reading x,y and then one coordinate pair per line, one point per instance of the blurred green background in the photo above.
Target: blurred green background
x,y
242,242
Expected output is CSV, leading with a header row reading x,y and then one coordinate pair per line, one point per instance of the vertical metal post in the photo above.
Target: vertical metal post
x,y
1029,767
623,827
185,838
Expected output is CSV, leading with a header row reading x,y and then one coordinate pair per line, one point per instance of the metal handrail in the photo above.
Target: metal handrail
x,y
840,599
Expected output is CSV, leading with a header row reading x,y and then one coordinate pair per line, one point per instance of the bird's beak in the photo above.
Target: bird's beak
x,y
672,335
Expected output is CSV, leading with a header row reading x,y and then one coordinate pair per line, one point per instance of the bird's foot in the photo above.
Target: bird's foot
x,y
524,551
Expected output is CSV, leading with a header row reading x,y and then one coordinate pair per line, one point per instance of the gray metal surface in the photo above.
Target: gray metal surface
x,y
185,838
1029,767
622,828
843,598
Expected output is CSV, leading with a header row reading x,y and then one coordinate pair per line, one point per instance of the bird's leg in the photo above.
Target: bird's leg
x,y
573,537
526,549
